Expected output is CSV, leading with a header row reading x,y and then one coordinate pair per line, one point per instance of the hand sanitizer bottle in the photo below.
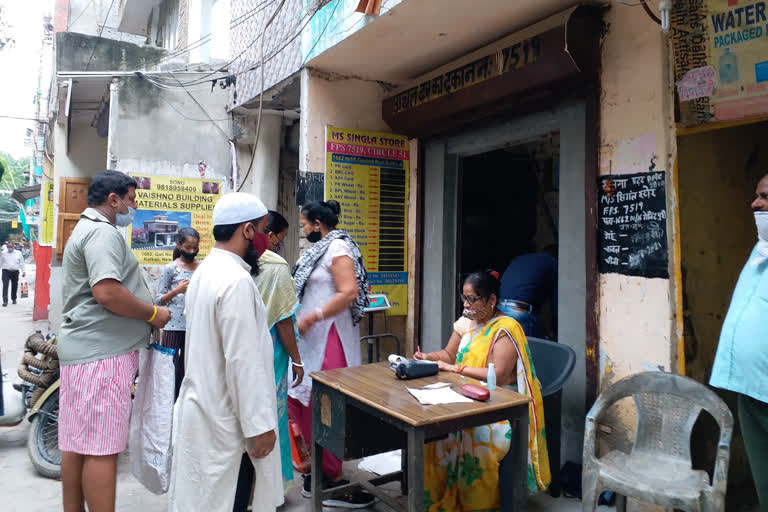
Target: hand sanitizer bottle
x,y
491,379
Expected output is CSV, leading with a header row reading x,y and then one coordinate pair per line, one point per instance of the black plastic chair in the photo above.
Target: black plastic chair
x,y
553,363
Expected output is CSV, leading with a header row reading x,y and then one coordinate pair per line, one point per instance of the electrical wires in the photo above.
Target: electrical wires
x,y
306,19
644,4
80,15
207,38
261,96
101,31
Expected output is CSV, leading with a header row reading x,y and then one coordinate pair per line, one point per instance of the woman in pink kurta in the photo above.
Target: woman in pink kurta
x,y
332,286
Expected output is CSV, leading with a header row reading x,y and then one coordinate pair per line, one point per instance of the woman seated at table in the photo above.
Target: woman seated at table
x,y
461,473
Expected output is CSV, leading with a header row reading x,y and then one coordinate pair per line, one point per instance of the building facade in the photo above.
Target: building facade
x,y
587,125
632,148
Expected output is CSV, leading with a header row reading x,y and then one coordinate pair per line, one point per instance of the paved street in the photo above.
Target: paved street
x,y
22,490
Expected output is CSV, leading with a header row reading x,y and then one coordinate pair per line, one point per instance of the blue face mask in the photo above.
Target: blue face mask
x,y
125,219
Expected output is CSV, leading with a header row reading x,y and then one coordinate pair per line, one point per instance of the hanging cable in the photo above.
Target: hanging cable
x,y
207,38
101,31
204,109
80,15
261,96
205,78
268,59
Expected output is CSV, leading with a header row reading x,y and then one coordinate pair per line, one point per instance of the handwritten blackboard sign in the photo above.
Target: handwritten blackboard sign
x,y
633,225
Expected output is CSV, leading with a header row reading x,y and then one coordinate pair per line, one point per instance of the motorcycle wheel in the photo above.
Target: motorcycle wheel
x,y
43,441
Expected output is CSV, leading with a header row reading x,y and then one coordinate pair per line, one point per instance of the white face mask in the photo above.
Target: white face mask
x,y
761,222
125,219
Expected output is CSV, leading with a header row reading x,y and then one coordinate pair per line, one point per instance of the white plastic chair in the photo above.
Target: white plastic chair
x,y
659,469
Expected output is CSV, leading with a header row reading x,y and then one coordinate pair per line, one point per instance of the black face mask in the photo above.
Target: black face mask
x,y
188,256
314,237
252,259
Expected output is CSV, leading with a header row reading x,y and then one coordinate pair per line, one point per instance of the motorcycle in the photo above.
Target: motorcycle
x,y
38,394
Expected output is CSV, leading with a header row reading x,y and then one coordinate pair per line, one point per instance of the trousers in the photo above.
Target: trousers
x,y
753,417
10,277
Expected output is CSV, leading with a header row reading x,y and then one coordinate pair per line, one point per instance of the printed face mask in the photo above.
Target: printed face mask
x,y
478,314
279,246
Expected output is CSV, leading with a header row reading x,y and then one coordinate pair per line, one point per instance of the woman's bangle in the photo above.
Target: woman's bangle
x,y
298,365
154,314
319,313
460,369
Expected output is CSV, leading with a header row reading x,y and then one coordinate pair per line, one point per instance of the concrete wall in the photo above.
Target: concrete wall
x,y
162,132
86,17
221,34
637,329
74,51
336,101
263,180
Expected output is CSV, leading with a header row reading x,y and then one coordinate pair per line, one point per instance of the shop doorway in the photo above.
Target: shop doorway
x,y
508,203
718,172
451,184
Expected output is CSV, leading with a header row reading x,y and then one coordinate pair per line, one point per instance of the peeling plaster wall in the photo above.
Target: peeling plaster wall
x,y
168,136
154,131
336,101
637,331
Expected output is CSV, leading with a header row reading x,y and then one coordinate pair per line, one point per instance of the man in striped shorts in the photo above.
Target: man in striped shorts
x,y
108,316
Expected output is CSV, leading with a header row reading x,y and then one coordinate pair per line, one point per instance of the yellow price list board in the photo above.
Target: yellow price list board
x,y
367,173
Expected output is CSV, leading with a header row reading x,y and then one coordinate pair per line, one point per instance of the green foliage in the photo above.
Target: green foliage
x,y
11,177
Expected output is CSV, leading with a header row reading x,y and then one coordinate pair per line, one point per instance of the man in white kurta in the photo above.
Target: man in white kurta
x,y
227,399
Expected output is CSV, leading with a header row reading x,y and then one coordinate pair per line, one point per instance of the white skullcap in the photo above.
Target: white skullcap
x,y
236,208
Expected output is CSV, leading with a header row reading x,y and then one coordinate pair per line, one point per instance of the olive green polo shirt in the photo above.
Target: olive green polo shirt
x,y
96,251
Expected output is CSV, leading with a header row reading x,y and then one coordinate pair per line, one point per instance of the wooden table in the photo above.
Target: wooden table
x,y
366,410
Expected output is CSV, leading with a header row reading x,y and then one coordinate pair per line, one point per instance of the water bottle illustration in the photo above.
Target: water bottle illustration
x,y
729,67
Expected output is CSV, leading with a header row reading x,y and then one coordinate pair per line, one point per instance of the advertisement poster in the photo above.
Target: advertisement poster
x,y
167,205
367,173
46,217
721,59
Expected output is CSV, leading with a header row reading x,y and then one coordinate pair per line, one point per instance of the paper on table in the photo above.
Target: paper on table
x,y
383,463
443,395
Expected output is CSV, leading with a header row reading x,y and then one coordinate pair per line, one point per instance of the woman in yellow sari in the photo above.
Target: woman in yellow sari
x,y
461,473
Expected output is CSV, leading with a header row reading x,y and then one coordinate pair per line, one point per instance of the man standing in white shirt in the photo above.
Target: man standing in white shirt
x,y
12,263
227,402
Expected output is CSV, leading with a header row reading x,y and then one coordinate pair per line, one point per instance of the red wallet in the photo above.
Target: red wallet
x,y
475,392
